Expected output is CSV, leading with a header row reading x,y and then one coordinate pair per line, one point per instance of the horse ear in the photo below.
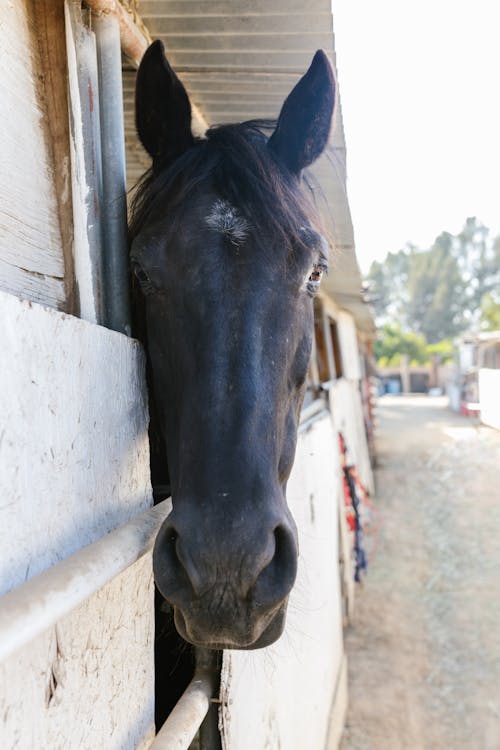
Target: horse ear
x,y
305,119
162,108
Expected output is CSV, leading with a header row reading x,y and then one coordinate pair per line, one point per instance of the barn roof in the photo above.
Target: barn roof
x,y
239,60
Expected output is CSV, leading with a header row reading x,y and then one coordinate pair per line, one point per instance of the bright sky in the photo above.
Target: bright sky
x,y
420,88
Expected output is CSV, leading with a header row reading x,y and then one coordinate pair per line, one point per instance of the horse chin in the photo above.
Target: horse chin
x,y
261,637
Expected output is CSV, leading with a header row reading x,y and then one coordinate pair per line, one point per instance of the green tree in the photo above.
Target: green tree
x,y
490,312
442,291
479,261
387,284
392,341
435,292
444,349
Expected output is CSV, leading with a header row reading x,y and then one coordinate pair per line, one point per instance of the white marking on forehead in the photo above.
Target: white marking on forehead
x,y
227,220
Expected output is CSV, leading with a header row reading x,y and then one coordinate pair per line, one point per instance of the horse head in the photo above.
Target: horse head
x,y
228,255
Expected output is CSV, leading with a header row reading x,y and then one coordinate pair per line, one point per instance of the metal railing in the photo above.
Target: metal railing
x,y
39,603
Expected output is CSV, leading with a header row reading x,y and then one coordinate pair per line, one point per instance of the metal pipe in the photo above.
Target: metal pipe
x,y
180,728
114,180
35,606
209,736
135,39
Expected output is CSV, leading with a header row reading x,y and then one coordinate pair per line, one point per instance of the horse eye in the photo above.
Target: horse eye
x,y
316,274
314,279
141,275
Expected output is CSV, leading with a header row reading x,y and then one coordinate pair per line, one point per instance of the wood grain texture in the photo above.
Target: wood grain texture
x,y
31,254
48,32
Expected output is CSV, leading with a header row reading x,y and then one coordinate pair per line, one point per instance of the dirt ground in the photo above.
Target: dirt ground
x,y
424,647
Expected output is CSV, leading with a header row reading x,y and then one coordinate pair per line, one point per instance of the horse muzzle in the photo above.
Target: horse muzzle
x,y
214,635
229,594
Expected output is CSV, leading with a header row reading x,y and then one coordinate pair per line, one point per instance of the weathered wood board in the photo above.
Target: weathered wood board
x,y
31,249
346,328
88,682
347,415
282,696
74,464
74,454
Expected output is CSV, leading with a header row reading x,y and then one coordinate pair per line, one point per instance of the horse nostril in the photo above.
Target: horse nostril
x,y
164,554
286,553
174,565
276,579
199,582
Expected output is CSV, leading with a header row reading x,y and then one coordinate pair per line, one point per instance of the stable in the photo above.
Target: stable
x,y
77,520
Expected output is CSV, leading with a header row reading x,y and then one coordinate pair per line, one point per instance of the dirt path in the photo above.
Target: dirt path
x,y
424,650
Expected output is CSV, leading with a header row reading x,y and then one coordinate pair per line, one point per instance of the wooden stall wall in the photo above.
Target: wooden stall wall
x,y
74,462
74,458
35,192
88,681
293,694
345,401
74,465
489,401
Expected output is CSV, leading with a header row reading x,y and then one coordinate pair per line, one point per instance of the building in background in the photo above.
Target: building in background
x,y
474,382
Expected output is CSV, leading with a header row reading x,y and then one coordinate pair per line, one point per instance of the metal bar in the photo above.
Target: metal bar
x,y
135,39
114,181
184,721
35,606
317,410
209,735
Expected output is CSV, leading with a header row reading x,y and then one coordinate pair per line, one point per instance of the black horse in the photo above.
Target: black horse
x,y
228,254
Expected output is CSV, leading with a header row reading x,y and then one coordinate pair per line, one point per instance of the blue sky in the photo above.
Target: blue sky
x,y
420,88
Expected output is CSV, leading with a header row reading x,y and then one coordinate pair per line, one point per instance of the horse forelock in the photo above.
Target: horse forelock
x,y
227,220
251,186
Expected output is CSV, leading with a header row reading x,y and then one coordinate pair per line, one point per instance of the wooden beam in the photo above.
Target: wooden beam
x,y
134,37
86,174
48,17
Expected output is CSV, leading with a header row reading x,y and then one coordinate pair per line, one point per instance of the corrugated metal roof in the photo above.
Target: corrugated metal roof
x,y
239,59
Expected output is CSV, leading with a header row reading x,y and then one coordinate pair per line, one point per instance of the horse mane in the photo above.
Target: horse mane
x,y
236,162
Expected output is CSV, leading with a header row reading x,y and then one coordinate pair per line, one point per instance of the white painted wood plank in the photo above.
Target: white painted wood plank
x,y
489,400
339,709
86,168
88,682
281,696
347,415
47,290
74,458
346,328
